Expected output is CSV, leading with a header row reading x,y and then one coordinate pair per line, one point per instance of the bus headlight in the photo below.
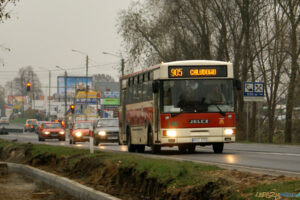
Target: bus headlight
x,y
61,132
171,133
46,133
78,134
102,133
229,131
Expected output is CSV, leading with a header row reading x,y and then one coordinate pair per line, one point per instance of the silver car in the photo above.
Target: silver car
x,y
106,130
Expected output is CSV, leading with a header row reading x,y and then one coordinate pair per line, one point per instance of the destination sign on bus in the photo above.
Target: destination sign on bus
x,y
197,71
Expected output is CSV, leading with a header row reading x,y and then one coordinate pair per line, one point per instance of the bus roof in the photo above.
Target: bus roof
x,y
180,62
203,62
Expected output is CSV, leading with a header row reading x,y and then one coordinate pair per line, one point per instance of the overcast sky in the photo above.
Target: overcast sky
x,y
42,33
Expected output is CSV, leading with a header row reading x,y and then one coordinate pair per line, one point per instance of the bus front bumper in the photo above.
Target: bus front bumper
x,y
199,137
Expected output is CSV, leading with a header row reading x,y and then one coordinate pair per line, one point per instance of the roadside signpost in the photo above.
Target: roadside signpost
x,y
253,92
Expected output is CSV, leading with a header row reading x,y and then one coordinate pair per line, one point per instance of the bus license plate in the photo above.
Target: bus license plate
x,y
199,139
112,138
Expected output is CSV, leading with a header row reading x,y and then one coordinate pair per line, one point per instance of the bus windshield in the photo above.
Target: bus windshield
x,y
197,96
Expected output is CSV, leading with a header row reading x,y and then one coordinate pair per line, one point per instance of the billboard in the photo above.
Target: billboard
x,y
74,83
15,99
110,102
109,94
91,98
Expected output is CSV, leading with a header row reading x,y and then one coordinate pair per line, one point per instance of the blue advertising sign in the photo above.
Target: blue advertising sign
x,y
73,83
82,101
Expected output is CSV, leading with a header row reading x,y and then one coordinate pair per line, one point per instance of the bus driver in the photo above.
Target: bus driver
x,y
215,96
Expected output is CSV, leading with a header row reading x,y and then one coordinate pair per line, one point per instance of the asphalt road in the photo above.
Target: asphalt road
x,y
259,158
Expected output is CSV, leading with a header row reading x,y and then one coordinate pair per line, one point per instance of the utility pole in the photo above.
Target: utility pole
x,y
86,86
32,91
49,101
66,118
122,66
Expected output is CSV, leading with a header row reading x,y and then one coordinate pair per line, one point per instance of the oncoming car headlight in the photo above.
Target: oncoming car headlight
x,y
102,133
78,134
61,132
46,132
229,131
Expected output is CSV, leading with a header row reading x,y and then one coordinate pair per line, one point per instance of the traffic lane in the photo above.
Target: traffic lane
x,y
272,148
268,160
21,126
287,162
263,148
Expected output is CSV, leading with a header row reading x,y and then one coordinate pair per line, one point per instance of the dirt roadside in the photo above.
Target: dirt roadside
x,y
21,187
130,177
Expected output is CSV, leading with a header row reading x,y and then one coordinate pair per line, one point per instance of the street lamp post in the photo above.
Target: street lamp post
x,y
65,77
49,102
122,61
120,86
86,79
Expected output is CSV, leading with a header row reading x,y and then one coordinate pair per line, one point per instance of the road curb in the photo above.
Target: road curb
x,y
75,189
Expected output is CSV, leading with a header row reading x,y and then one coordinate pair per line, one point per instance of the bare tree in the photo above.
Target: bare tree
x,y
271,59
4,15
291,9
5,5
25,74
230,30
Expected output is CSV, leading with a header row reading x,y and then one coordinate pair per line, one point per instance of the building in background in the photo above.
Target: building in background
x,y
74,84
109,101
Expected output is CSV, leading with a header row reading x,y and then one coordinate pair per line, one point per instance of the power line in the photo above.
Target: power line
x,y
68,69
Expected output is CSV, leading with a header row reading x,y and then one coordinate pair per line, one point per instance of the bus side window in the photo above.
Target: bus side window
x,y
129,92
139,92
149,91
135,90
144,91
140,88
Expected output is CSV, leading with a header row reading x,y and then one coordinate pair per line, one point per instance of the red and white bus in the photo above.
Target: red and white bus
x,y
180,103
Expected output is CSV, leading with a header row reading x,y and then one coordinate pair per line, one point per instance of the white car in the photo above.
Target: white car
x,y
4,120
106,130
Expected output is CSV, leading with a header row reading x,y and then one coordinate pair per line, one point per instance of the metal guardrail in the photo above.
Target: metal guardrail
x,y
5,131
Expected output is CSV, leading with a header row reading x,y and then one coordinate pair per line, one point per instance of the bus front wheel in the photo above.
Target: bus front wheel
x,y
218,147
130,147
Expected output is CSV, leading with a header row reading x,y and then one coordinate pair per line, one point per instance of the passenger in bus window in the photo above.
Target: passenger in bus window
x,y
215,96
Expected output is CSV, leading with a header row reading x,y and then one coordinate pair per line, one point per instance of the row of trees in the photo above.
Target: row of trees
x,y
17,86
260,38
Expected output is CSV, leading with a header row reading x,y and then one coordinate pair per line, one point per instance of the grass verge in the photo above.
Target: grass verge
x,y
149,177
18,121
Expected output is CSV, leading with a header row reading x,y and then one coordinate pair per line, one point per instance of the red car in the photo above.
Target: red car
x,y
81,131
51,130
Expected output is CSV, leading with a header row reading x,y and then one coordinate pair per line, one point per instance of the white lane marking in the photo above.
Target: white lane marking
x,y
254,152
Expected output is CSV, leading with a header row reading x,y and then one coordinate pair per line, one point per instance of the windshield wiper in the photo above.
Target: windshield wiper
x,y
175,114
221,111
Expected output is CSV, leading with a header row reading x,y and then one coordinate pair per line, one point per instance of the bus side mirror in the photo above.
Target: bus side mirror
x,y
155,86
237,84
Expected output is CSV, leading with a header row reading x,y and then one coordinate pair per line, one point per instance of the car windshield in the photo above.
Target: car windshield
x,y
108,123
52,125
31,122
197,96
82,125
4,118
